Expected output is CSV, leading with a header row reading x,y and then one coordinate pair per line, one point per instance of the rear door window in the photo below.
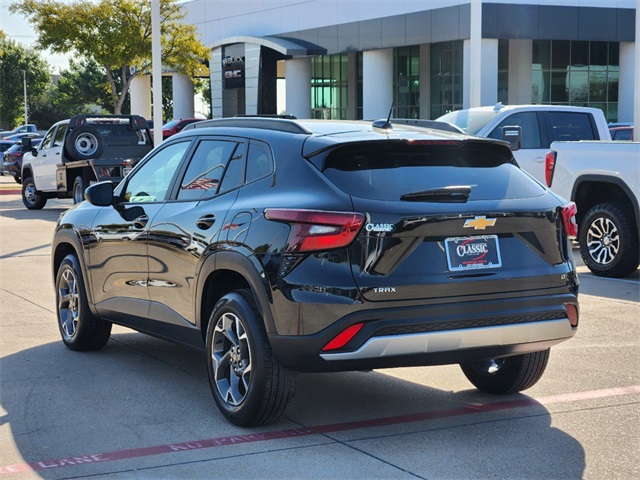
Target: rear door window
x,y
390,170
571,126
207,168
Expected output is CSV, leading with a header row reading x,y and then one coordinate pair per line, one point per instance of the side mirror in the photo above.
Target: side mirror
x,y
513,135
100,194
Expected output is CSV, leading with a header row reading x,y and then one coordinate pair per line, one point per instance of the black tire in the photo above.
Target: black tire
x,y
79,328
32,198
78,190
18,180
507,375
249,386
83,143
608,237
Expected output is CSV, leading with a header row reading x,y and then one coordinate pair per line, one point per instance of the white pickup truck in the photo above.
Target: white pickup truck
x,y
540,125
603,179
78,152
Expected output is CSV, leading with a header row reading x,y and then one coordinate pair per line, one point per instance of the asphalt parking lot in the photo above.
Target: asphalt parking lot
x,y
142,408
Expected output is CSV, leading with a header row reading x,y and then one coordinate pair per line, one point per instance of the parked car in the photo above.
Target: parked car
x,y
16,137
621,133
175,126
12,160
540,125
29,128
280,245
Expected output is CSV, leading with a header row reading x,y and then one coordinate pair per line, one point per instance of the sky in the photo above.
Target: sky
x,y
19,29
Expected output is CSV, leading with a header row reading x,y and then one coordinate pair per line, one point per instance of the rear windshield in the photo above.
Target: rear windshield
x,y
387,172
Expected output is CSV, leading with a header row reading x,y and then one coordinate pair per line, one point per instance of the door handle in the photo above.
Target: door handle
x,y
141,221
206,221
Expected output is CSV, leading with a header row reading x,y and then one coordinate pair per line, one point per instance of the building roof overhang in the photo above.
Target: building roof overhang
x,y
289,47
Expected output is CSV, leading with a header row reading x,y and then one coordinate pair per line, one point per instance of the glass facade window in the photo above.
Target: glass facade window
x,y
503,71
329,80
580,73
406,82
446,77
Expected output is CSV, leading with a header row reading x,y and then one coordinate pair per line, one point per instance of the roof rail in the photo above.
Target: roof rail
x,y
277,124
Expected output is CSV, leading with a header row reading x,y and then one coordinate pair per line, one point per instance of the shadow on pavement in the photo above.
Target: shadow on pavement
x,y
139,391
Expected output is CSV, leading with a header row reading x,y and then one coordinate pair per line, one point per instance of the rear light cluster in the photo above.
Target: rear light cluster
x,y
569,212
549,166
316,230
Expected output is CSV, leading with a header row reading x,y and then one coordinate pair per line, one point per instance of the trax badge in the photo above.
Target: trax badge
x,y
480,223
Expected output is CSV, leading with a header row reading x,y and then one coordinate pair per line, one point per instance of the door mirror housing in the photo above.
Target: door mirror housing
x,y
513,135
100,194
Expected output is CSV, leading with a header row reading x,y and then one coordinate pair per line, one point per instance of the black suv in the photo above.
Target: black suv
x,y
281,245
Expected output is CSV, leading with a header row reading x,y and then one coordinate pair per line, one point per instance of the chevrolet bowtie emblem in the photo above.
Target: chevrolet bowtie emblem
x,y
480,223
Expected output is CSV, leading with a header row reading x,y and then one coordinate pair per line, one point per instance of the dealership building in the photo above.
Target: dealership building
x,y
353,59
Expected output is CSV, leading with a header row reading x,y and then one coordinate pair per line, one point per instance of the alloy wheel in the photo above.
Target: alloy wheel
x,y
603,241
231,357
68,303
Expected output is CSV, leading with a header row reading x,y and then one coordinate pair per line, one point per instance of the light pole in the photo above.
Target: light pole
x,y
24,82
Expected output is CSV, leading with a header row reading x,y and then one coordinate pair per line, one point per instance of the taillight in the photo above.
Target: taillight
x,y
313,230
569,212
549,166
572,314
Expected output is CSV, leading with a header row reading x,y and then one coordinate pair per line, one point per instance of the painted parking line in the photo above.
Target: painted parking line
x,y
10,191
6,470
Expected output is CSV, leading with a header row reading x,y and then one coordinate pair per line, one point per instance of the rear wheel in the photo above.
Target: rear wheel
x,y
78,190
248,384
80,329
32,198
609,240
507,375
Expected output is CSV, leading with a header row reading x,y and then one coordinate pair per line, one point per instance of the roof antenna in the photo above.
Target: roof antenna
x,y
384,124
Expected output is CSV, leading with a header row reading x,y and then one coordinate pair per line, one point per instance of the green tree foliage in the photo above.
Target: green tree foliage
x,y
14,58
82,88
117,35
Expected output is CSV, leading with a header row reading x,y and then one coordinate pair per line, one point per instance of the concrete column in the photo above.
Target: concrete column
x,y
476,60
182,96
425,81
141,96
215,73
481,88
627,88
520,71
252,77
297,73
377,86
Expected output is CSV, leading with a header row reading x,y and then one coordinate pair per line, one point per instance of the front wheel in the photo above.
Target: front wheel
x,y
79,328
32,198
248,384
507,375
609,240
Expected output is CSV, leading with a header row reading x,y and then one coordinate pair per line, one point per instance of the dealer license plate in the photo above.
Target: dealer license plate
x,y
471,253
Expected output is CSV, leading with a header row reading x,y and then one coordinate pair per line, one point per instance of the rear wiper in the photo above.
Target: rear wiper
x,y
453,193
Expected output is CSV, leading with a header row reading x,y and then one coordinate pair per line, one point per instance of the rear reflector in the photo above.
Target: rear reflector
x,y
569,212
343,337
314,230
572,314
549,166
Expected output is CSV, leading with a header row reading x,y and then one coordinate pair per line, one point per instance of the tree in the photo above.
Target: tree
x,y
84,84
14,59
117,35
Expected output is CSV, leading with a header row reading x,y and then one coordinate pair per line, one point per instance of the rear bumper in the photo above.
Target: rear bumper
x,y
433,335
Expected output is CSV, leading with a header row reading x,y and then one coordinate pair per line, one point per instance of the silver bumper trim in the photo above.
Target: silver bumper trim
x,y
463,339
